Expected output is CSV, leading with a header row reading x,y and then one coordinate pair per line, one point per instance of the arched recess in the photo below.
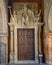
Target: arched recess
x,y
47,7
4,33
50,19
46,14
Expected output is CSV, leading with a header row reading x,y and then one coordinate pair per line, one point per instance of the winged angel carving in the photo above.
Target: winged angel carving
x,y
13,18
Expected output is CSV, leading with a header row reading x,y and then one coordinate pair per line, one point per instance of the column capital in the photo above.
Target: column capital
x,y
40,23
11,26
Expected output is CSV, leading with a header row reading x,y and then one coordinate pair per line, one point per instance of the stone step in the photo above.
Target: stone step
x,y
26,64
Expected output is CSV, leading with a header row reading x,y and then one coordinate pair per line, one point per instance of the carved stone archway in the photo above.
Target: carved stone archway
x,y
24,19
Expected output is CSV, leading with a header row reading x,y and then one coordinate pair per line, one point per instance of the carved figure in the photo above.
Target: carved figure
x,y
26,16
37,16
13,17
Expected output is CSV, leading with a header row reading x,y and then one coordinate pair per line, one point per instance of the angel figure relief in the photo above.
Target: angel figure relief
x,y
37,16
13,17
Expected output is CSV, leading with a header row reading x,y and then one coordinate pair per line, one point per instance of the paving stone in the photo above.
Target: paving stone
x,y
26,64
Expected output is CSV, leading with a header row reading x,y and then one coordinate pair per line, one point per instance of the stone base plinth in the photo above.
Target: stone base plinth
x,y
11,57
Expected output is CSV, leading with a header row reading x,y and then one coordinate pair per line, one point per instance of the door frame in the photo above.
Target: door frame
x,y
35,42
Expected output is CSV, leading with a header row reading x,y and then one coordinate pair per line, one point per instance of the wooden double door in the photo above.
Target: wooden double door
x,y
25,38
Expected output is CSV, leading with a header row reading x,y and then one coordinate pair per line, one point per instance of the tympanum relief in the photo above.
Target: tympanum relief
x,y
25,17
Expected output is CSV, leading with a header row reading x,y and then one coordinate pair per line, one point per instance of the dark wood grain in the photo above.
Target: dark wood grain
x,y
26,44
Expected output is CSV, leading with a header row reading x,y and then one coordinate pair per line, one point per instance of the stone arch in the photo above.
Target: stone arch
x,y
46,15
4,13
47,6
50,18
4,33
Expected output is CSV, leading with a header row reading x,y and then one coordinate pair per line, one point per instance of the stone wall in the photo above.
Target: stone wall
x,y
3,30
47,6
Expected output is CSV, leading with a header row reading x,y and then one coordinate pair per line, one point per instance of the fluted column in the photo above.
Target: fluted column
x,y
11,43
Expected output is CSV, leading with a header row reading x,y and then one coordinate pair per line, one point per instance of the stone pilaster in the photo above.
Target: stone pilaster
x,y
40,46
39,25
12,43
